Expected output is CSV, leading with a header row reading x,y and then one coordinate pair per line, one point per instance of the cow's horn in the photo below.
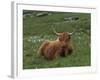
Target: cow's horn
x,y
70,33
55,31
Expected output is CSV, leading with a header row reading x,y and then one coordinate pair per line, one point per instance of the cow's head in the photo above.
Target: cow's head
x,y
64,36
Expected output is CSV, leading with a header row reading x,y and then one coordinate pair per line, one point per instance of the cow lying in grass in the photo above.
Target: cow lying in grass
x,y
62,46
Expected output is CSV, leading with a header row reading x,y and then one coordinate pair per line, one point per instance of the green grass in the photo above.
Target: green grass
x,y
37,29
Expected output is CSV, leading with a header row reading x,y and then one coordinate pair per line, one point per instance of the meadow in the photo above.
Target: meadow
x,y
37,28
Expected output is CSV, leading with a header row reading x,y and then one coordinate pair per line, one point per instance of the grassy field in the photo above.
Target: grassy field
x,y
38,28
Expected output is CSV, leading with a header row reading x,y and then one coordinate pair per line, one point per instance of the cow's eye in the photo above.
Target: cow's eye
x,y
69,36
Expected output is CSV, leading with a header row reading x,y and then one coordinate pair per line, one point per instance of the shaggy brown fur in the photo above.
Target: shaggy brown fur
x,y
53,49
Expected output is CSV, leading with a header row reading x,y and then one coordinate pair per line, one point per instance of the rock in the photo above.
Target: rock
x,y
42,14
71,18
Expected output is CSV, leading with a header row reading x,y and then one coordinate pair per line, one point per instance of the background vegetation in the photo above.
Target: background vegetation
x,y
37,28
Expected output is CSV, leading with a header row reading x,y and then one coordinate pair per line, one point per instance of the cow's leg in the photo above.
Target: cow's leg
x,y
70,50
